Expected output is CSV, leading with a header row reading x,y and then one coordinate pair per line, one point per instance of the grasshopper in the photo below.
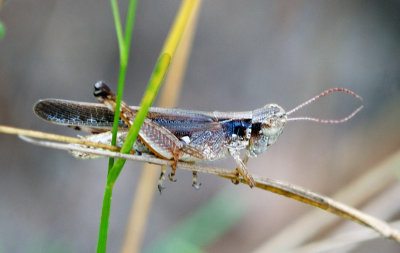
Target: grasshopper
x,y
182,135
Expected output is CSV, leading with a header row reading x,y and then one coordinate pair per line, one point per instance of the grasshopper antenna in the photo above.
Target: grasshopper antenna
x,y
326,121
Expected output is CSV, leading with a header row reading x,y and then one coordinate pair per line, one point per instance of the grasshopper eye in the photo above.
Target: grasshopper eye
x,y
278,114
275,120
266,125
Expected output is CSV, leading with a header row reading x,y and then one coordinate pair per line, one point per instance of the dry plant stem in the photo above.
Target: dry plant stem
x,y
276,186
338,242
54,137
356,193
140,209
173,81
139,158
149,177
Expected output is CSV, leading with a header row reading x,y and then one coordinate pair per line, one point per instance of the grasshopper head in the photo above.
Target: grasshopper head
x,y
274,120
267,124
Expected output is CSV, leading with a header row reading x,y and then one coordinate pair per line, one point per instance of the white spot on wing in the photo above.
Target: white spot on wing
x,y
186,139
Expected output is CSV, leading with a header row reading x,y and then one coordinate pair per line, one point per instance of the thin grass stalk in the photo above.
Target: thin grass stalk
x,y
123,45
355,193
148,98
279,187
276,186
147,184
124,49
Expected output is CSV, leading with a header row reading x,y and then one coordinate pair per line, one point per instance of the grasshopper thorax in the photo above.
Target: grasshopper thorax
x,y
267,124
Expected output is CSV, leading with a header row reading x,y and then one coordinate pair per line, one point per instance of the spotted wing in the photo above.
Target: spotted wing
x,y
94,117
91,117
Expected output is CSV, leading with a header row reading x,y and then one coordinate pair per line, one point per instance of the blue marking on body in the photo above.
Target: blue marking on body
x,y
237,127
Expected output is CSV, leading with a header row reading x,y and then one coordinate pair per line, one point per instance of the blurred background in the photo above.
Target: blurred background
x,y
245,54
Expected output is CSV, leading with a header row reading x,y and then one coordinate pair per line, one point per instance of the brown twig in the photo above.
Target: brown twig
x,y
355,193
54,137
342,241
276,186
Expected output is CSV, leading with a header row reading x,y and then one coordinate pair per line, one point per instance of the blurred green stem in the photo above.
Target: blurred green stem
x,y
124,45
2,30
156,79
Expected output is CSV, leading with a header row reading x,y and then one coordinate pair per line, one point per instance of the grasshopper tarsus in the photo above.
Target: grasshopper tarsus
x,y
161,179
171,177
236,179
160,188
241,167
196,185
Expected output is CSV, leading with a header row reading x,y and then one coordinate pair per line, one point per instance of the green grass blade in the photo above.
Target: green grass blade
x,y
158,75
118,27
121,78
105,215
129,25
2,30
154,84
124,46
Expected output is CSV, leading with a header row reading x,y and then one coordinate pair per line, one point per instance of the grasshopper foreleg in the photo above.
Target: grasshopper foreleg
x,y
241,167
